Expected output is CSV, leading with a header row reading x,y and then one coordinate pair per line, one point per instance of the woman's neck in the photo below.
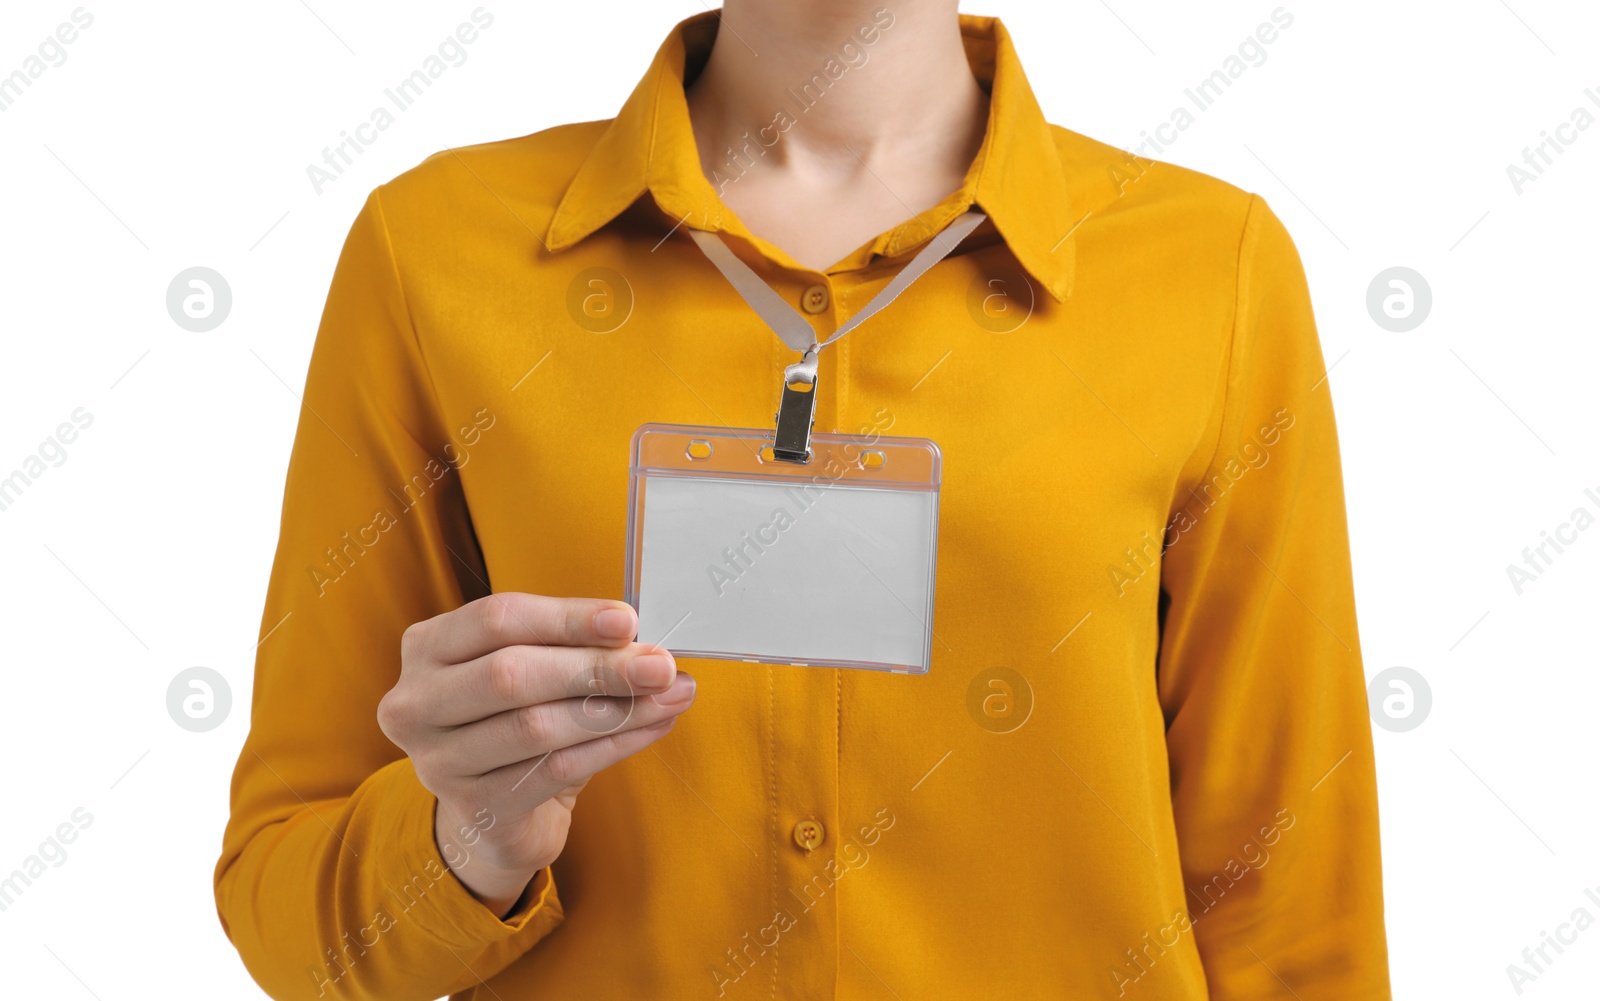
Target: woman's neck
x,y
824,123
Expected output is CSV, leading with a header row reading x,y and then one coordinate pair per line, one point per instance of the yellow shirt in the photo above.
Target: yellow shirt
x,y
1140,764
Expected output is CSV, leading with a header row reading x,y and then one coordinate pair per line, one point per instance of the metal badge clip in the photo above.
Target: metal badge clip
x,y
797,411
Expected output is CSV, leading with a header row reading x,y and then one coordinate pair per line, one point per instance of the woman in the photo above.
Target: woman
x,y
1139,764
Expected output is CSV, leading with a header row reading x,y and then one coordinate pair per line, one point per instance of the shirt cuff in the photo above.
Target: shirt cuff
x,y
424,890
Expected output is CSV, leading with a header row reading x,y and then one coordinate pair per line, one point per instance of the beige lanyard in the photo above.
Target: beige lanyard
x,y
798,407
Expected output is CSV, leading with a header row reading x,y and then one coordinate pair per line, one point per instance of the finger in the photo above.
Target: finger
x,y
526,784
512,618
520,734
517,676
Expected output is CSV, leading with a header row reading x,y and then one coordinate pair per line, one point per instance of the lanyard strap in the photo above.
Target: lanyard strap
x,y
791,327
798,403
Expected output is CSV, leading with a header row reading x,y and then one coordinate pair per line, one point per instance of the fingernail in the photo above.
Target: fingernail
x,y
681,692
653,670
614,623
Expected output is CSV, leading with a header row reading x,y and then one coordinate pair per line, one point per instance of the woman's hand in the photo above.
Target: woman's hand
x,y
506,707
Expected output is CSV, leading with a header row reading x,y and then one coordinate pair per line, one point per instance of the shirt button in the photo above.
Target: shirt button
x,y
808,834
814,299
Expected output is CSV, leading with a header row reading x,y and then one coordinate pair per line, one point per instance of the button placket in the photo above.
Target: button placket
x,y
805,748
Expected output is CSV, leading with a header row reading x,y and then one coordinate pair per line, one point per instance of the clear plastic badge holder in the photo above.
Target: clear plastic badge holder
x,y
734,555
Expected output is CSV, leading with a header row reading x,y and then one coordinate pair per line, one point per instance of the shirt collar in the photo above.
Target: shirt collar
x,y
1017,176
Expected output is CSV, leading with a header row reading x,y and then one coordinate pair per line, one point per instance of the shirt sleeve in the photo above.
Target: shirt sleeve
x,y
330,883
1260,676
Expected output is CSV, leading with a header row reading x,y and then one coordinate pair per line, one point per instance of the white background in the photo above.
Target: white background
x,y
178,134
